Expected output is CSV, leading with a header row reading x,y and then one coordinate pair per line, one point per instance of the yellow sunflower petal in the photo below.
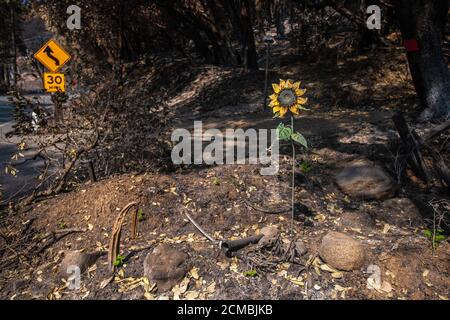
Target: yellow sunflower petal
x,y
301,100
283,112
294,110
276,88
273,97
296,85
282,84
276,109
289,84
300,92
274,103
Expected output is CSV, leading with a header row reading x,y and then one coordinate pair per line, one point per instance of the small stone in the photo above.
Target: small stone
x,y
270,234
341,251
364,180
386,287
82,260
166,266
300,248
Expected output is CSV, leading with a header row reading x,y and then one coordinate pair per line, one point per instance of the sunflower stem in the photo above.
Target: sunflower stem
x,y
293,180
266,75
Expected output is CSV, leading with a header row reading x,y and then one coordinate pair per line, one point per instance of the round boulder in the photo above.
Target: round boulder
x,y
166,266
82,260
341,251
363,179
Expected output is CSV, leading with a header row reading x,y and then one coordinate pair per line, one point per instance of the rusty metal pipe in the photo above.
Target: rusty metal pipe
x,y
229,246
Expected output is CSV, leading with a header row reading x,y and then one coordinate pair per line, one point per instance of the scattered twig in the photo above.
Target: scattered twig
x,y
411,145
72,230
55,237
265,210
430,134
203,232
228,246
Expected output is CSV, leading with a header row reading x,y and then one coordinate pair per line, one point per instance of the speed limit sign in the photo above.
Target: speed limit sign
x,y
54,82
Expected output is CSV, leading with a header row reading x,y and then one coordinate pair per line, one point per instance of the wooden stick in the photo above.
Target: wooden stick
x,y
409,138
435,131
114,244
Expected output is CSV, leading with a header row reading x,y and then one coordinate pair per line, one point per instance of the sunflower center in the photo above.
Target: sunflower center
x,y
287,98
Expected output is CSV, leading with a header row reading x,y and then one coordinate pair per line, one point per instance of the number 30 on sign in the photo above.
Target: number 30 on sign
x,y
54,82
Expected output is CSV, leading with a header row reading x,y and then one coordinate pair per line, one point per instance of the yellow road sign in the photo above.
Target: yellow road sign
x,y
54,82
52,56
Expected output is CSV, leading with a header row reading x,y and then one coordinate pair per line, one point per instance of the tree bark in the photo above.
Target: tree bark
x,y
220,29
259,15
279,13
14,45
183,25
239,13
251,58
424,21
2,78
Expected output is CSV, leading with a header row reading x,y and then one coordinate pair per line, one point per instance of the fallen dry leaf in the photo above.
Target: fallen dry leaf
x,y
192,295
194,273
212,287
107,281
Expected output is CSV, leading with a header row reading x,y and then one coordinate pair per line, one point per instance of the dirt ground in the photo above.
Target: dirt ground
x,y
350,117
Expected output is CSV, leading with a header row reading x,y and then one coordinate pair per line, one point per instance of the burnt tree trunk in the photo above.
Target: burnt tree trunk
x,y
259,14
182,24
239,12
279,13
422,24
2,78
220,29
249,48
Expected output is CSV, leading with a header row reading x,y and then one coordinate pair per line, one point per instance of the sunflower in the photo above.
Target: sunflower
x,y
287,96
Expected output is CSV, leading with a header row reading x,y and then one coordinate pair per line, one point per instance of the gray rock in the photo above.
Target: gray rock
x,y
364,180
270,234
401,212
341,251
166,266
300,248
82,260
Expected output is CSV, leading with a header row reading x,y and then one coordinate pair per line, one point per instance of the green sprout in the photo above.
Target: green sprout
x,y
119,261
435,237
62,225
140,214
305,166
251,273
